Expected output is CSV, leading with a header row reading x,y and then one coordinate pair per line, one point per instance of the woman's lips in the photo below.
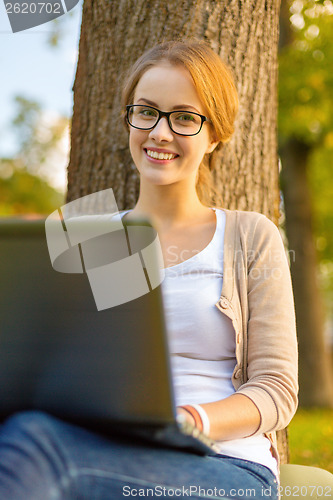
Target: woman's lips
x,y
160,155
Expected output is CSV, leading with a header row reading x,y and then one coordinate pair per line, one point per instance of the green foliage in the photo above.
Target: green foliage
x,y
26,117
22,192
311,438
25,179
306,76
39,135
306,111
320,172
320,177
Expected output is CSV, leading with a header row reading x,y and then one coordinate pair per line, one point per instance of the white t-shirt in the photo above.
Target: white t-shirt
x,y
202,339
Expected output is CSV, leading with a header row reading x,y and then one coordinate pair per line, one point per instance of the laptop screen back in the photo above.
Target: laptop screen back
x,y
60,354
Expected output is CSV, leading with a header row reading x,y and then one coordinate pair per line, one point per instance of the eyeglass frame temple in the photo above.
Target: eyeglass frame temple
x,y
167,114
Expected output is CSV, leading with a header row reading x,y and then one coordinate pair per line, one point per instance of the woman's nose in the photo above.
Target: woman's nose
x,y
161,131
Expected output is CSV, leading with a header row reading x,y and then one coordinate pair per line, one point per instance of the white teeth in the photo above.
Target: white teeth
x,y
160,156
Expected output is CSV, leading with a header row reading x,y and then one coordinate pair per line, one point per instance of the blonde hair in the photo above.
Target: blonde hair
x,y
213,82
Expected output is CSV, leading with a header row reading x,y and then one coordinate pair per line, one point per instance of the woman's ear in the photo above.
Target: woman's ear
x,y
212,145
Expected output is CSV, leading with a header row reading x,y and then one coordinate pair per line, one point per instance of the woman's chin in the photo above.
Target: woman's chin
x,y
158,178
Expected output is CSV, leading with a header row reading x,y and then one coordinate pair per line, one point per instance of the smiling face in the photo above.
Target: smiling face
x,y
161,156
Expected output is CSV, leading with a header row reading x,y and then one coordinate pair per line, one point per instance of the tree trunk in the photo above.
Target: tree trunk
x,y
114,34
315,376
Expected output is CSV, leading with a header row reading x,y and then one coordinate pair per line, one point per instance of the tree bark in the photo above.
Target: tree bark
x,y
114,34
315,375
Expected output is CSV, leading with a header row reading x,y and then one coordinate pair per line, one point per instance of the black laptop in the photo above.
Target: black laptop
x,y
105,368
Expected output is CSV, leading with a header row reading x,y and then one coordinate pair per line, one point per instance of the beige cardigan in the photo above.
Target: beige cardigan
x,y
257,296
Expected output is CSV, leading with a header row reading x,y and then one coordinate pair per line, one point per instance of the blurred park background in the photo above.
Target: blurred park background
x,y
38,69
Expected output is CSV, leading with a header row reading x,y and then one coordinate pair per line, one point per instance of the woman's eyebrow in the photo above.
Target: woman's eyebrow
x,y
179,106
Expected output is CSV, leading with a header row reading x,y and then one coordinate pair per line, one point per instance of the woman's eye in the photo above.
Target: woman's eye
x,y
187,117
148,112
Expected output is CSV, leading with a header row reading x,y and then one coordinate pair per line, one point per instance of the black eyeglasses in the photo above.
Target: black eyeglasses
x,y
181,122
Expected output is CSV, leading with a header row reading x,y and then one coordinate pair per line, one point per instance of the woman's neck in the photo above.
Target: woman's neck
x,y
170,207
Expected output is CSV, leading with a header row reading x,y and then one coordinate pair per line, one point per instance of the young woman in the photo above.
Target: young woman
x,y
228,303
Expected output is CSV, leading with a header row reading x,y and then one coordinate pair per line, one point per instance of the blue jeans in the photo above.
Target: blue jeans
x,y
43,458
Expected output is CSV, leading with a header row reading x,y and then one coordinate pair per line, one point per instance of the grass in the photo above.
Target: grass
x,y
311,438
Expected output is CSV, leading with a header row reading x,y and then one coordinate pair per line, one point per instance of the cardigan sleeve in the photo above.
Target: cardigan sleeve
x,y
272,345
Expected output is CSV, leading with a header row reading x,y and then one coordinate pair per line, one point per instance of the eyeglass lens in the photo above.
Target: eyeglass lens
x,y
182,122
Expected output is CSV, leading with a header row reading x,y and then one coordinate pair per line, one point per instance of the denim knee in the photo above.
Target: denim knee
x,y
26,421
32,464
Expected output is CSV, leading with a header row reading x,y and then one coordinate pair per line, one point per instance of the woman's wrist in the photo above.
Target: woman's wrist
x,y
186,415
196,415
